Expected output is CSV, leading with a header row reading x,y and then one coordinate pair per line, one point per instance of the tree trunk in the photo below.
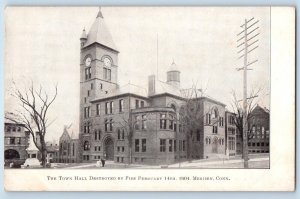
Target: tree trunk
x,y
130,155
43,152
189,148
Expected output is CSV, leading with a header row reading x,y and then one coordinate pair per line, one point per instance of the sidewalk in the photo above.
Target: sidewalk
x,y
203,163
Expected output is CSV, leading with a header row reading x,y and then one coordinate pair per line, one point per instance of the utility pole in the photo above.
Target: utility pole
x,y
248,40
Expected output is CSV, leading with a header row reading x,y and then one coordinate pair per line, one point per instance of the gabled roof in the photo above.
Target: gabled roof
x,y
125,89
258,109
65,134
99,33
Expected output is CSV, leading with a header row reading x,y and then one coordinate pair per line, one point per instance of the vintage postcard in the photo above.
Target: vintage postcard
x,y
149,99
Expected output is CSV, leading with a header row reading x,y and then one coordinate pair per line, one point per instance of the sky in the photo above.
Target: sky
x,y
42,45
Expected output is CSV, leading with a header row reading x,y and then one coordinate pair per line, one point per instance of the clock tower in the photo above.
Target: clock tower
x,y
98,75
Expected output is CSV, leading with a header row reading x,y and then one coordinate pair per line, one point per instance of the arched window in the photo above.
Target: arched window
x,y
173,107
119,134
86,146
214,113
123,134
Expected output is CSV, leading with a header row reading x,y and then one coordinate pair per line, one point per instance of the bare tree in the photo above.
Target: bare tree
x,y
237,108
191,115
32,112
128,124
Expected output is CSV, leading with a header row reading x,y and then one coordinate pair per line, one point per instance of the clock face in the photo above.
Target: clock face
x,y
107,62
88,61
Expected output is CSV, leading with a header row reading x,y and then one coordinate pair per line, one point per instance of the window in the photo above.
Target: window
x,y
198,135
88,74
88,93
86,146
170,145
106,107
162,145
106,125
171,122
208,118
163,121
215,129
19,129
231,143
87,127
137,104
86,112
142,104
143,145
231,119
111,107
73,150
136,126
215,113
107,73
101,86
175,126
121,105
183,145
92,86
180,145
18,140
137,145
123,148
119,134
11,140
97,109
96,135
123,134
144,118
175,149
221,121
111,124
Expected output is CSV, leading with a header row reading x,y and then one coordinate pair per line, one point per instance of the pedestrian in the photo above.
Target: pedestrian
x,y
103,161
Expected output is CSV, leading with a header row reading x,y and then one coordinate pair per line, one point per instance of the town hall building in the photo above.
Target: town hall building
x,y
131,124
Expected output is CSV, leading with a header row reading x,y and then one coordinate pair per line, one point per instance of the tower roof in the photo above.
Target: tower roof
x,y
83,35
99,33
173,67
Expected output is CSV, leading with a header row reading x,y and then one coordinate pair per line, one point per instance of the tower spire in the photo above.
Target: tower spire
x,y
99,13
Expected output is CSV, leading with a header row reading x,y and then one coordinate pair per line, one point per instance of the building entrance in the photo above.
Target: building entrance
x,y
109,148
11,154
215,145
